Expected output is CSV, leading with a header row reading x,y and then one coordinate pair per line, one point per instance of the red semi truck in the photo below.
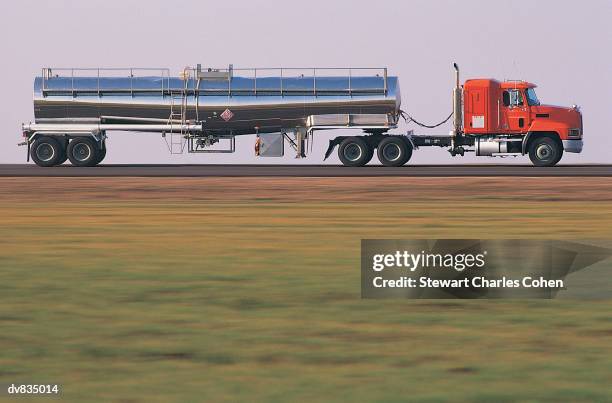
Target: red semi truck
x,y
507,118
202,108
492,119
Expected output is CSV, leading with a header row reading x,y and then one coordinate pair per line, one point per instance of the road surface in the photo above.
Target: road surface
x,y
30,170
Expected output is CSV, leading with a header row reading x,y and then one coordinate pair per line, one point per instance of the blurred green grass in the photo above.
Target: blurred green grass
x,y
260,301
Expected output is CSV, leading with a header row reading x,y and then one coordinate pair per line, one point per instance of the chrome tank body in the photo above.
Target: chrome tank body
x,y
260,104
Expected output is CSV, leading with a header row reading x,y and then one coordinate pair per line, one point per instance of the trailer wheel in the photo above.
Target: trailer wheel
x,y
394,152
545,152
46,152
83,152
355,152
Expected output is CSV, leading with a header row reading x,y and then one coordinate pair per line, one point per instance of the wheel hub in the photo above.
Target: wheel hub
x,y
45,152
353,152
81,152
544,152
392,152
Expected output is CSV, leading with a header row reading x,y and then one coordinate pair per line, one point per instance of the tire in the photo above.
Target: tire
x,y
46,152
355,152
64,156
545,152
394,152
83,152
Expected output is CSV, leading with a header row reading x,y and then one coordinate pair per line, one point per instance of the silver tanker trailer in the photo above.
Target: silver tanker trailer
x,y
201,110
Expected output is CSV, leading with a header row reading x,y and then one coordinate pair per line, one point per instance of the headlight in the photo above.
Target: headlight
x,y
575,133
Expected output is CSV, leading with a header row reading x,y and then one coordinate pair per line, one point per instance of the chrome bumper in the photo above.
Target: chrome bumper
x,y
573,146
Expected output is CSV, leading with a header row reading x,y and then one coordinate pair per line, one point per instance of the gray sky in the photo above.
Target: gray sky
x,y
563,46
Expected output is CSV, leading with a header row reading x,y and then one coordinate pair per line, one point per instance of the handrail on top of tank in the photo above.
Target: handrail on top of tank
x,y
47,73
282,70
165,75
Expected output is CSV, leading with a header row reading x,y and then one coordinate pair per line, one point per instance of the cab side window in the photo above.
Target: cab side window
x,y
513,98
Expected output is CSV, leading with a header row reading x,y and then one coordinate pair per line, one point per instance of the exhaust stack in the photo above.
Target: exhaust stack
x,y
457,103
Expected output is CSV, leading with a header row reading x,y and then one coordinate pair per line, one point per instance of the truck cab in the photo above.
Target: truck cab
x,y
510,112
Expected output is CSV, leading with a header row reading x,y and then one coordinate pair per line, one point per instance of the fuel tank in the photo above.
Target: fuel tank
x,y
225,103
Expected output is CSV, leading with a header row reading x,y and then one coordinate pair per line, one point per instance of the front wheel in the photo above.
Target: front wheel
x,y
545,152
355,152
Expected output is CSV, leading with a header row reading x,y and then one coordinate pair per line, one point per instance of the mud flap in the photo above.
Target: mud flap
x,y
332,145
524,145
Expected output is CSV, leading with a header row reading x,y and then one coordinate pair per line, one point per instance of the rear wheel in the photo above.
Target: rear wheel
x,y
545,152
83,152
394,152
355,152
46,152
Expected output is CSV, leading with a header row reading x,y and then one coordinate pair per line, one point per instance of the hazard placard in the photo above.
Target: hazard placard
x,y
227,115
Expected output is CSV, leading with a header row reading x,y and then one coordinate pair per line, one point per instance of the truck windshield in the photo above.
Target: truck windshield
x,y
532,98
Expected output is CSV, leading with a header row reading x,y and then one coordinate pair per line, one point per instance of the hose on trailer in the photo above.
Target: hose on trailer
x,y
410,119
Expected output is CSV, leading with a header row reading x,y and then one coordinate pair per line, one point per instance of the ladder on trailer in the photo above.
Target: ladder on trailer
x,y
178,117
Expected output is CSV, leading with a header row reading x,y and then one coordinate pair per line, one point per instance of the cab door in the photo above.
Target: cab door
x,y
515,112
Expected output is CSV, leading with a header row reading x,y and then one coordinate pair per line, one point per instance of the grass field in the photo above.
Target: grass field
x,y
188,290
